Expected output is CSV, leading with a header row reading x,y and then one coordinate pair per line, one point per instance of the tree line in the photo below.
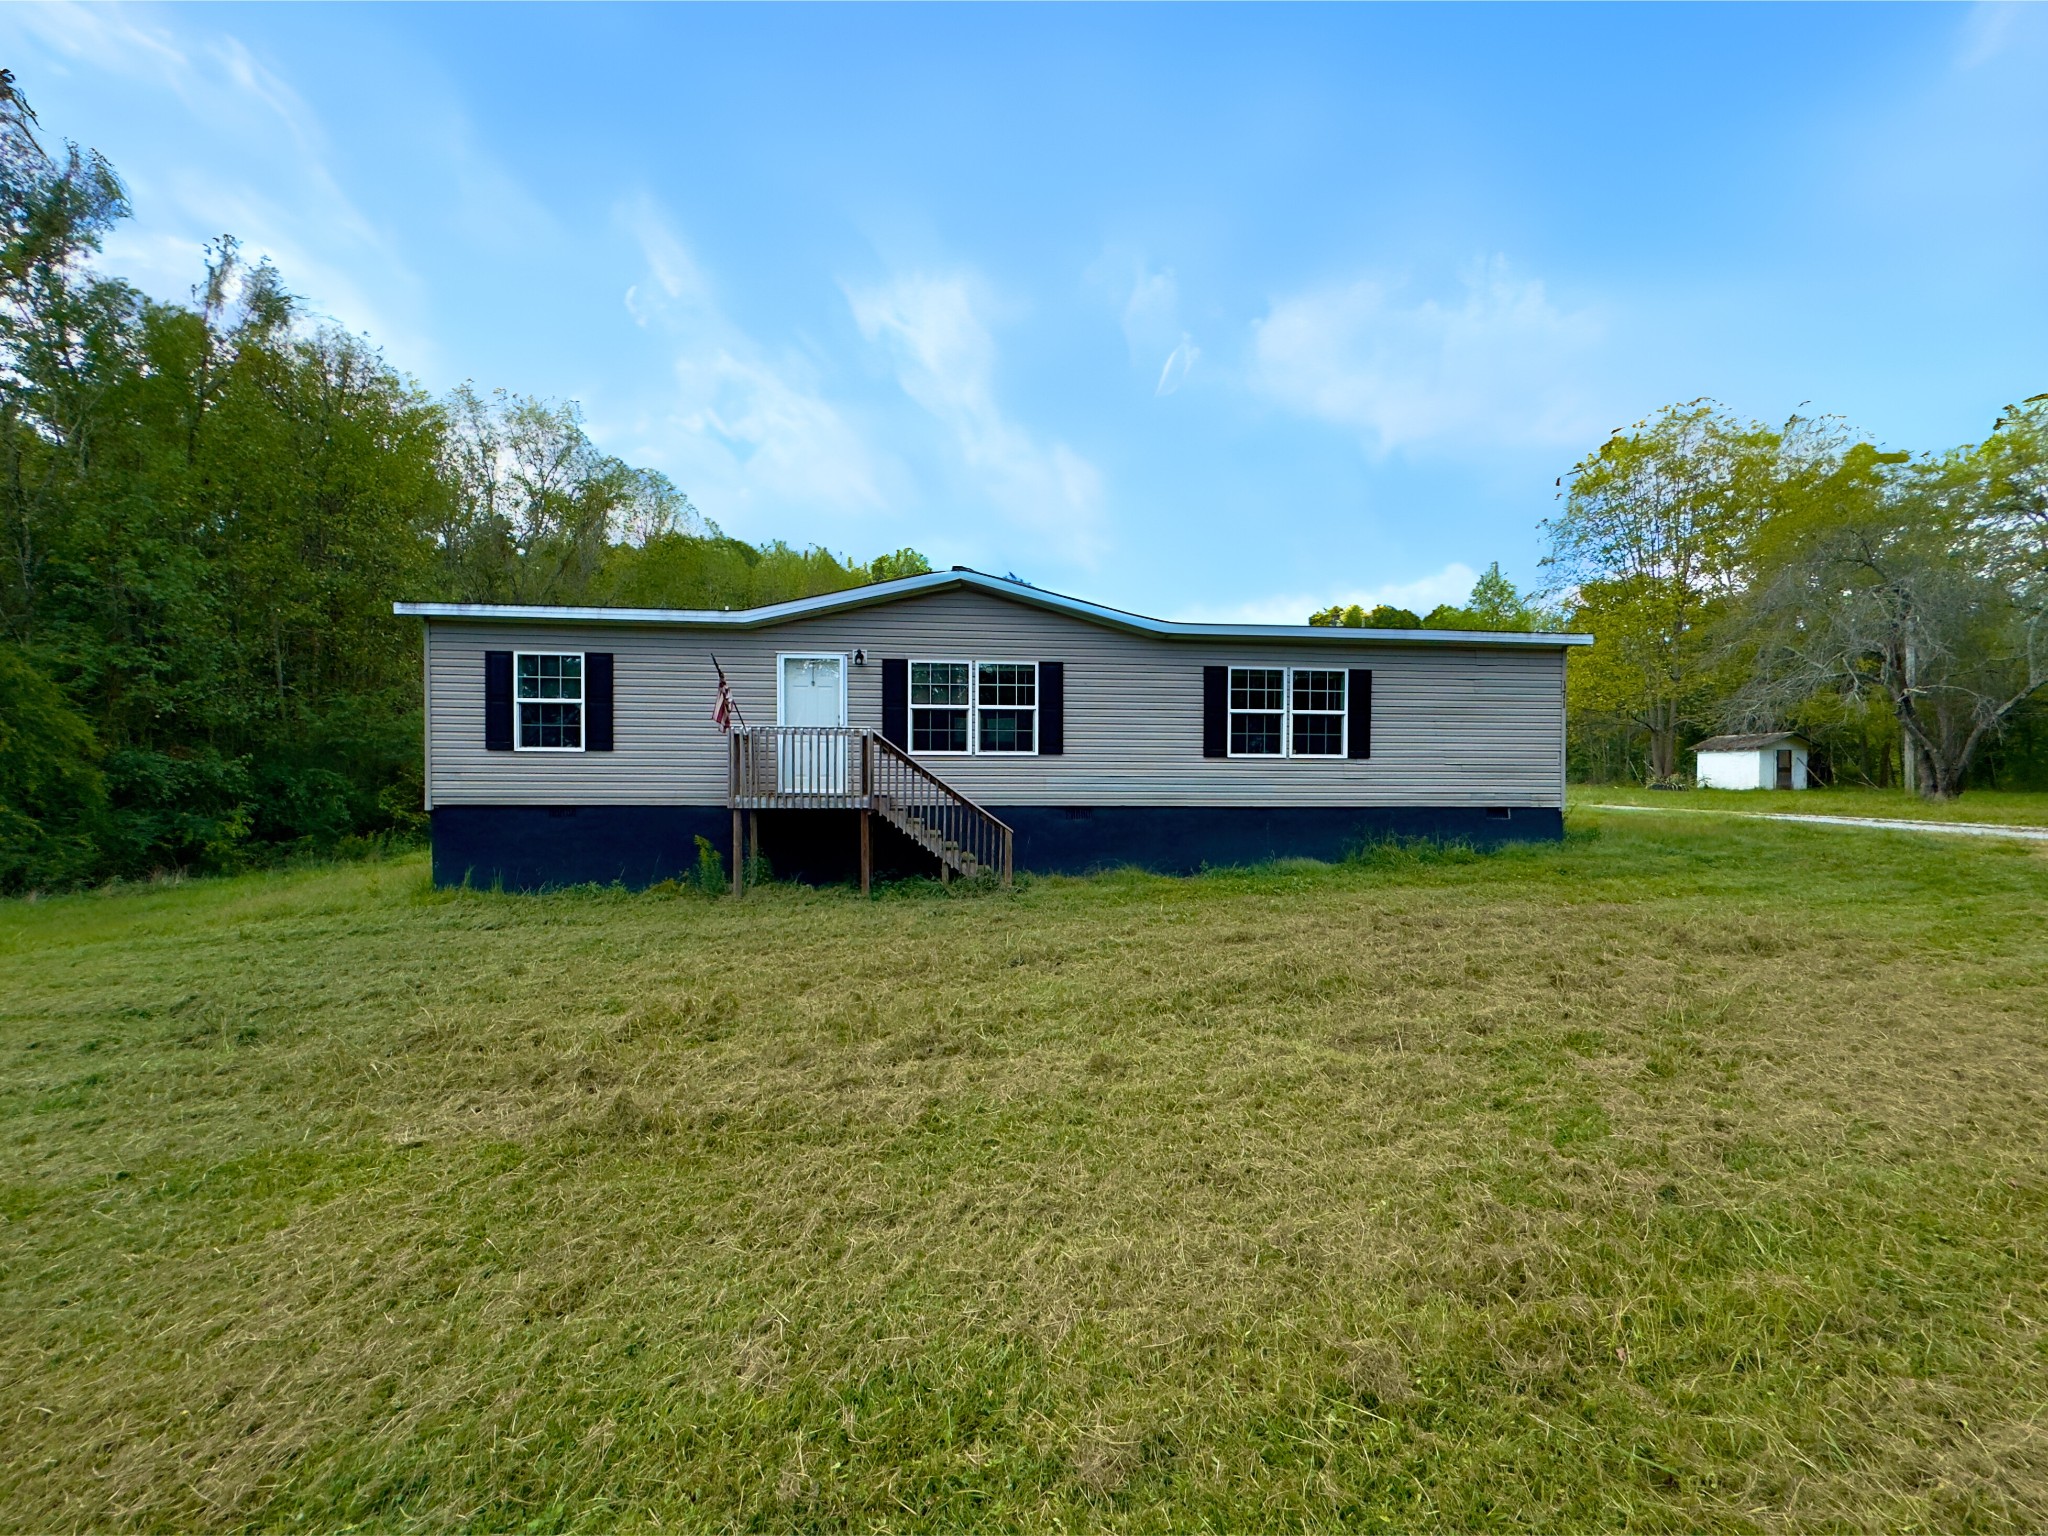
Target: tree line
x,y
1892,607
1495,603
206,510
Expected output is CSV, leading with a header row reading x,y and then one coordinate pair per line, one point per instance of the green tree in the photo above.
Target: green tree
x,y
1651,548
900,563
1384,616
1495,604
52,798
535,508
64,341
1922,584
711,570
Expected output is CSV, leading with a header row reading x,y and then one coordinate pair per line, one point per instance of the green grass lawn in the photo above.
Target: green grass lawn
x,y
1692,1174
2019,808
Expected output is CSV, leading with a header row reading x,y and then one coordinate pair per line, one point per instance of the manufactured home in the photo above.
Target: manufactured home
x,y
960,723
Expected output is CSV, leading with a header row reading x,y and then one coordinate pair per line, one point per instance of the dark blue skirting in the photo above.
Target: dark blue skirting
x,y
1179,840
530,847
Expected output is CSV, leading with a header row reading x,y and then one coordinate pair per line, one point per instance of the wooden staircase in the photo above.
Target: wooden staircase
x,y
788,767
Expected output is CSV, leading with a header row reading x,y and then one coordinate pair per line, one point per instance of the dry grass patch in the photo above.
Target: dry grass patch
x,y
1444,1192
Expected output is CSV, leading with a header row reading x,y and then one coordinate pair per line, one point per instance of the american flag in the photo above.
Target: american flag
x,y
723,711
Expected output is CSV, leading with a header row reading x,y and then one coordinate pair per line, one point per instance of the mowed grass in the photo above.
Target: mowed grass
x,y
1692,1174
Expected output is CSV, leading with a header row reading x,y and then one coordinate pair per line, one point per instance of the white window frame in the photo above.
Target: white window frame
x,y
910,721
838,656
581,701
1231,712
1287,672
1342,712
974,705
974,733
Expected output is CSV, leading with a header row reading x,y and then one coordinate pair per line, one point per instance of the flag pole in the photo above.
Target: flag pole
x,y
726,711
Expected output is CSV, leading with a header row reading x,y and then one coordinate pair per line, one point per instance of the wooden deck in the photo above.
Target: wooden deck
x,y
823,768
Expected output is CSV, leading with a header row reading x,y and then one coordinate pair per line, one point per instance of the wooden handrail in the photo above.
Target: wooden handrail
x,y
890,749
840,767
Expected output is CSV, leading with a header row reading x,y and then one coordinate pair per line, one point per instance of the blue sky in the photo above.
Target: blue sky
x,y
1207,312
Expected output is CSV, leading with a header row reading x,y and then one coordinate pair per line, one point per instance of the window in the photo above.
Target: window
x,y
548,692
1258,711
1275,712
979,707
1006,703
938,706
1318,714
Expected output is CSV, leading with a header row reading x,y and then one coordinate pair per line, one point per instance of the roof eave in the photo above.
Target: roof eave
x,y
912,586
1746,741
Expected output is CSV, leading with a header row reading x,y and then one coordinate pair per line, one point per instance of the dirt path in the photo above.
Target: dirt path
x,y
1962,828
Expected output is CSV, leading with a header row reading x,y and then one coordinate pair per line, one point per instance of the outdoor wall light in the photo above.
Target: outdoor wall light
x,y
860,657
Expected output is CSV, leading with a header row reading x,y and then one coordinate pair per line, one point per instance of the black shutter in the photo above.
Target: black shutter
x,y
896,701
1052,708
497,701
597,701
1215,711
1358,700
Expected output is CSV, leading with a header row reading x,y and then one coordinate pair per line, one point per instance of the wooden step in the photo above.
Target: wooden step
x,y
937,844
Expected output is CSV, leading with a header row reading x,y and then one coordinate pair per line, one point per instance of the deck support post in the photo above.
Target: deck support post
x,y
867,815
754,840
735,786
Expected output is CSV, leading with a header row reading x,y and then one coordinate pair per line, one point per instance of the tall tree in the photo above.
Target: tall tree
x,y
1495,604
536,507
1923,583
64,344
1650,548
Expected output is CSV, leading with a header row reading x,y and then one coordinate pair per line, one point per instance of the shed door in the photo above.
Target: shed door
x,y
1784,767
813,695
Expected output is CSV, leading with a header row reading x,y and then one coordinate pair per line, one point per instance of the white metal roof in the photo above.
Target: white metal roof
x,y
939,581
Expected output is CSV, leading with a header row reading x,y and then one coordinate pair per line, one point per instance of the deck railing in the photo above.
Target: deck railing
x,y
796,768
804,767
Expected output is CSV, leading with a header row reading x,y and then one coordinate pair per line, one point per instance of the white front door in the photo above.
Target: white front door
x,y
811,691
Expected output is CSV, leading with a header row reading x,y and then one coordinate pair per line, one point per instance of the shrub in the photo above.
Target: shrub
x,y
710,873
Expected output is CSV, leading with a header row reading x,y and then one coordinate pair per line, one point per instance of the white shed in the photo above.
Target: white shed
x,y
1766,760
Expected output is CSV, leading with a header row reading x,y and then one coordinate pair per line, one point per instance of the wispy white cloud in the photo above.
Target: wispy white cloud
x,y
282,201
944,357
1452,584
1499,364
747,425
1153,329
101,37
1173,373
671,268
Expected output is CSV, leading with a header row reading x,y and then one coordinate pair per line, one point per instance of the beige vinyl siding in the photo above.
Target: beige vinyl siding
x,y
1452,725
427,722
